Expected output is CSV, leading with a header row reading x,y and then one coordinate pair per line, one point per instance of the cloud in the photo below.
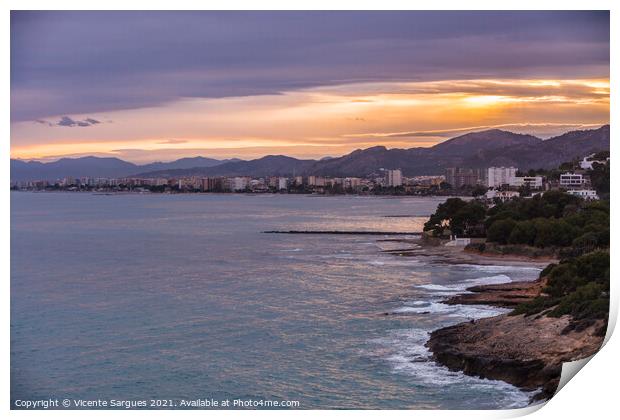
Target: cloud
x,y
539,129
70,122
208,54
172,141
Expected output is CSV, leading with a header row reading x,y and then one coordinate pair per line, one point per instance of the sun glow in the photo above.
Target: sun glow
x,y
322,120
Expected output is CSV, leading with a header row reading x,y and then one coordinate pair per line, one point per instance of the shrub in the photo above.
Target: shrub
x,y
523,233
500,231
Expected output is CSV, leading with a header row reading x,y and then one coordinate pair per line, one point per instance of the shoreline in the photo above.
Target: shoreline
x,y
457,255
525,351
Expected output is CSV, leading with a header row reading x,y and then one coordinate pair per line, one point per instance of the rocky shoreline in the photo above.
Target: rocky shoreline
x,y
526,351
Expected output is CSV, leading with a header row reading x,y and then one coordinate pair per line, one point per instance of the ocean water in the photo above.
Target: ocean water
x,y
183,297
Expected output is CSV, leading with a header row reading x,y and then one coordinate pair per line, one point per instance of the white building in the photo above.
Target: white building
x,y
501,195
585,194
394,178
282,183
534,182
571,180
498,176
239,183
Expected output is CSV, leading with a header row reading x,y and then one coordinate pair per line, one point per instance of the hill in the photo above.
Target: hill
x,y
479,150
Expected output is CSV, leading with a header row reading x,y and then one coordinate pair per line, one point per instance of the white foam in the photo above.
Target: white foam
x,y
406,354
462,286
498,268
466,312
498,279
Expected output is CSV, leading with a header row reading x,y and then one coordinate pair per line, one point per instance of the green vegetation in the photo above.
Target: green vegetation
x,y
554,223
578,287
551,220
599,177
459,217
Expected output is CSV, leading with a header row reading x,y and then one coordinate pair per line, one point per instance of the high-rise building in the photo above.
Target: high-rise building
x,y
316,181
394,178
458,177
498,176
239,183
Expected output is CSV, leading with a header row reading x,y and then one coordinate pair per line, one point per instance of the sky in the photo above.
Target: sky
x,y
148,86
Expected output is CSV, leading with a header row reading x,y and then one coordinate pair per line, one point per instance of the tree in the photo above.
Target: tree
x,y
524,232
500,230
478,190
459,216
468,220
599,177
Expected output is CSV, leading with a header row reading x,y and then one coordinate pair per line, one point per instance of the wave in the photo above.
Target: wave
x,y
463,285
466,312
406,354
497,268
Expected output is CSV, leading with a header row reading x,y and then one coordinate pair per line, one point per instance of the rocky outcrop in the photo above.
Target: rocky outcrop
x,y
505,295
526,351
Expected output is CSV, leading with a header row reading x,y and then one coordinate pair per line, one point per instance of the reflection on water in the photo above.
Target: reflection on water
x,y
159,296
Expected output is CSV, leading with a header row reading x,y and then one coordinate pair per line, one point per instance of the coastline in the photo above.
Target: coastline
x,y
457,255
525,351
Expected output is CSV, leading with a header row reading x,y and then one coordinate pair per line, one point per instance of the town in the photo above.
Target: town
x,y
492,183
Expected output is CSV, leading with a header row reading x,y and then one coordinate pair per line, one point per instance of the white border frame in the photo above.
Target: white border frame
x,y
591,395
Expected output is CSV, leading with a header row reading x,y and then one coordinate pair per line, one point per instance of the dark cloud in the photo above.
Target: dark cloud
x,y
542,129
83,62
70,122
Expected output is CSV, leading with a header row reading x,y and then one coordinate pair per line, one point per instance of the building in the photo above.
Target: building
x,y
459,177
352,183
393,178
239,183
316,181
569,180
532,182
498,176
501,195
425,180
585,194
282,183
299,181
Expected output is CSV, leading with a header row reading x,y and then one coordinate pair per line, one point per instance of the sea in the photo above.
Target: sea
x,y
184,297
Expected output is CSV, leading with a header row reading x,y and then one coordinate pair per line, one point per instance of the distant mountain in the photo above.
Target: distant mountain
x,y
85,166
480,149
276,165
184,163
545,154
424,160
477,142
98,167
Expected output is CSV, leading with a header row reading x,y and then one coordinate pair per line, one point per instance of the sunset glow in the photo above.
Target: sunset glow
x,y
320,121
306,85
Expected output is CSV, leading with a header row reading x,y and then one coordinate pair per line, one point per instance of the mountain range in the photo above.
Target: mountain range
x,y
477,150
100,167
